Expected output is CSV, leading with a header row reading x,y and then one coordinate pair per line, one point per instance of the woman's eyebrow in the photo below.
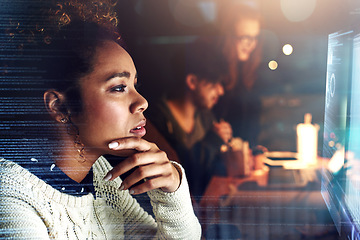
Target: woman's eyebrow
x,y
119,75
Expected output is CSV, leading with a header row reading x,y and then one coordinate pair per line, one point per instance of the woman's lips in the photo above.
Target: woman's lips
x,y
139,131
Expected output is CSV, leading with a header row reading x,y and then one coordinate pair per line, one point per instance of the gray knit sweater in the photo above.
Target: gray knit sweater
x,y
32,209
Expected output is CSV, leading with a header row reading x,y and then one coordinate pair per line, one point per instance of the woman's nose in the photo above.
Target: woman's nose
x,y
140,104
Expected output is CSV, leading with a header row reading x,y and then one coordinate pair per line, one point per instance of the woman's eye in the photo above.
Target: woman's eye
x,y
119,88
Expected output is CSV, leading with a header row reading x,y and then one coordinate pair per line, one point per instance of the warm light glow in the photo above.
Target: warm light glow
x,y
307,141
273,65
287,49
337,161
297,11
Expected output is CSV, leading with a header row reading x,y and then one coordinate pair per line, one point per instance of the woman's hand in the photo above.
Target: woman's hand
x,y
149,163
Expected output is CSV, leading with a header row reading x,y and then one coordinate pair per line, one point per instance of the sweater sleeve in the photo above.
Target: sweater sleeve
x,y
174,213
19,220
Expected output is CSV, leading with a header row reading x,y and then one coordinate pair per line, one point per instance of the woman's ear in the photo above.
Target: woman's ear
x,y
191,81
55,105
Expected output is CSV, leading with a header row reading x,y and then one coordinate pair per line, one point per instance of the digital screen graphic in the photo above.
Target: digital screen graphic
x,y
340,181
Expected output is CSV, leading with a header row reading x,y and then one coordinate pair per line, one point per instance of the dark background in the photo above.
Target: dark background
x,y
154,29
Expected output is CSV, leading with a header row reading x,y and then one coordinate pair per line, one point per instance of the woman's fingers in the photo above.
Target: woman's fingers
x,y
148,162
146,178
136,160
134,143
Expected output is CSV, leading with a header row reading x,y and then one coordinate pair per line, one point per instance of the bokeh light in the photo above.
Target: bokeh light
x,y
287,49
297,11
273,65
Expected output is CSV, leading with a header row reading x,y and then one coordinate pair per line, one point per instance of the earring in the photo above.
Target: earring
x,y
80,147
64,120
73,130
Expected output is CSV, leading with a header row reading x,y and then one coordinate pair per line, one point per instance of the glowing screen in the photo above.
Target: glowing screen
x,y
341,179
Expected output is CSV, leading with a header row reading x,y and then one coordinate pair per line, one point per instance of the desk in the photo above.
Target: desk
x,y
263,213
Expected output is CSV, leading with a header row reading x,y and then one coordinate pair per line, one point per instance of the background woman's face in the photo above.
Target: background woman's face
x,y
246,34
112,107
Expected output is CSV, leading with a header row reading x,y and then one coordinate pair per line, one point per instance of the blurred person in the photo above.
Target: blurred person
x,y
239,27
184,115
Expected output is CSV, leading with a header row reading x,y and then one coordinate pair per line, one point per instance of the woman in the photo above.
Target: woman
x,y
64,188
240,28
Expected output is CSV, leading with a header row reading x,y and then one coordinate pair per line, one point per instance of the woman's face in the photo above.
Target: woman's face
x,y
246,34
112,107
